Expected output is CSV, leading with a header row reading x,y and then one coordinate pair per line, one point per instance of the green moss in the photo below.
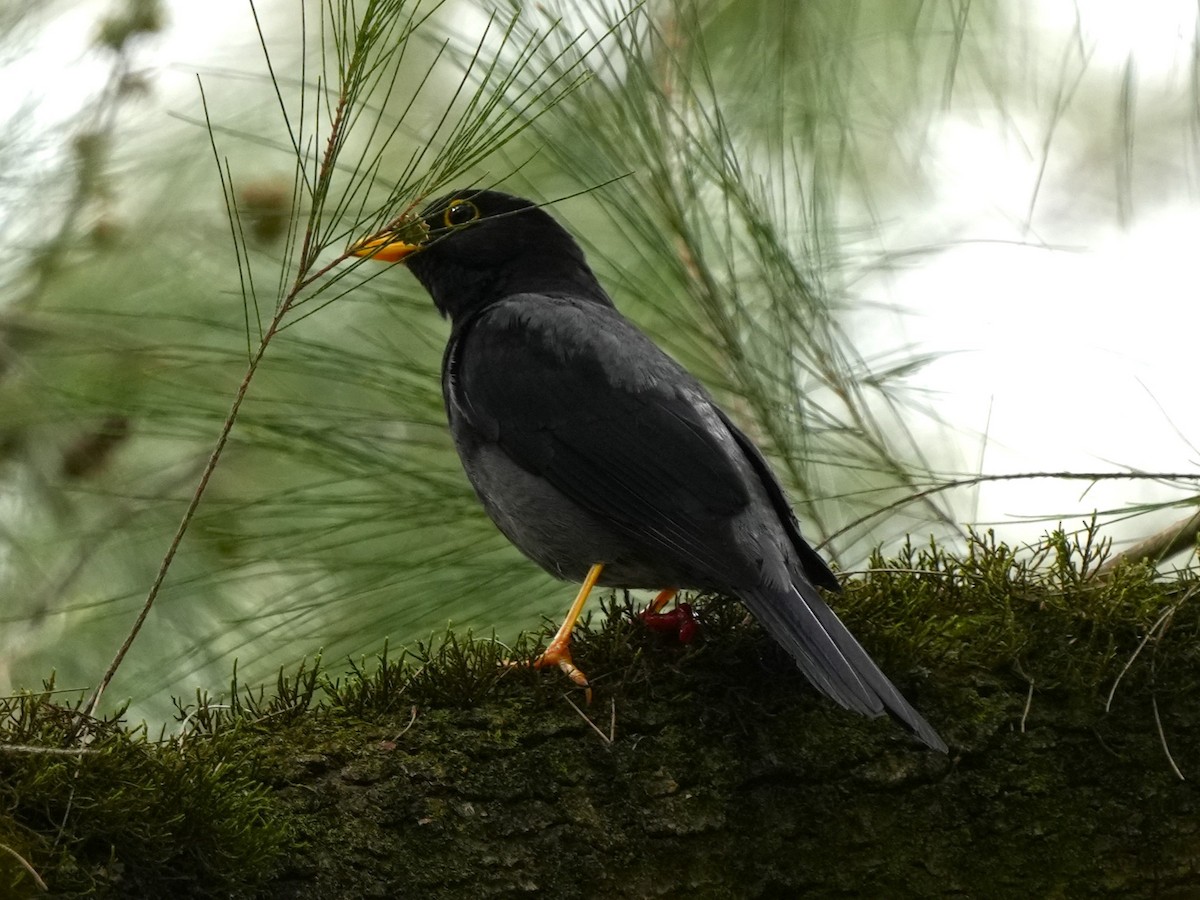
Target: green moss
x,y
710,767
122,815
1048,615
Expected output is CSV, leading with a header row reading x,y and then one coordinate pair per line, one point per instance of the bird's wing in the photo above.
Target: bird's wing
x,y
813,566
572,392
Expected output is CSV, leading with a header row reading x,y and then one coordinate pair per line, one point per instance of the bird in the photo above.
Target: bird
x,y
599,455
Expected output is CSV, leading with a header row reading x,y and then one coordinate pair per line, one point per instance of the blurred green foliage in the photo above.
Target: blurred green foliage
x,y
751,142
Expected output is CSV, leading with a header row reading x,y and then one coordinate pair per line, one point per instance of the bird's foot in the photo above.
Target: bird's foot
x,y
559,654
559,651
681,621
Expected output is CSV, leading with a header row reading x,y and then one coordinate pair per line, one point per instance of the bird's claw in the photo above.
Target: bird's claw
x,y
556,655
559,655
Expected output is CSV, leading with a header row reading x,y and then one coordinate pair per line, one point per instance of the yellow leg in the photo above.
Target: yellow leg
x,y
559,651
664,597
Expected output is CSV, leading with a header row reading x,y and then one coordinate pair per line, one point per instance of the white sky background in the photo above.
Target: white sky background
x,y
1069,336
1074,358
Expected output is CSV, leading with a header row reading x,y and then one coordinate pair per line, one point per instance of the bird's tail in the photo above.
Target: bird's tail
x,y
830,657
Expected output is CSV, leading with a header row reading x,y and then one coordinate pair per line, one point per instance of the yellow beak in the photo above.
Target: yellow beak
x,y
387,249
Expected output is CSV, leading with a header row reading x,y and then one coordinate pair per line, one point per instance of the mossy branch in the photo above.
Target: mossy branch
x,y
1069,701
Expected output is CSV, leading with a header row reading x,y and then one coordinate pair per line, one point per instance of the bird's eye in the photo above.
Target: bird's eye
x,y
460,212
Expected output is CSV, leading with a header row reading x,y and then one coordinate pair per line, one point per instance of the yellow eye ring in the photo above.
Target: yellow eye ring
x,y
460,212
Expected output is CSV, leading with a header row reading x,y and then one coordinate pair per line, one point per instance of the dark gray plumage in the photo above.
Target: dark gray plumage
x,y
587,444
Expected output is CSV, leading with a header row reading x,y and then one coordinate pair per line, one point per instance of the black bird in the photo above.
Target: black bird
x,y
601,457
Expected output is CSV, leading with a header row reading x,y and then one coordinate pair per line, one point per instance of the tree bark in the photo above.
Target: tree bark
x,y
722,777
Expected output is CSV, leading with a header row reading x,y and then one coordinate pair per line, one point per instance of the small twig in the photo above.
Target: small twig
x,y
45,751
37,879
1141,645
1169,542
62,825
1163,738
304,278
604,737
412,720
1162,734
188,514
1028,704
1022,476
897,570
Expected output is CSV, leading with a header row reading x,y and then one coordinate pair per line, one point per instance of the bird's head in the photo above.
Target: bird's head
x,y
472,248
